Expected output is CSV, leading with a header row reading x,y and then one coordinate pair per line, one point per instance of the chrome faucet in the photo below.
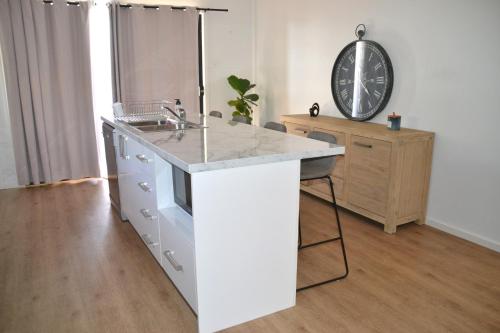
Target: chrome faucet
x,y
181,116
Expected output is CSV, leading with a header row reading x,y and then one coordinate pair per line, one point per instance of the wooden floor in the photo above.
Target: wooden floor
x,y
67,264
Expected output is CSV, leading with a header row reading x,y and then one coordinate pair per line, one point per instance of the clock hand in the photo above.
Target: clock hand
x,y
366,90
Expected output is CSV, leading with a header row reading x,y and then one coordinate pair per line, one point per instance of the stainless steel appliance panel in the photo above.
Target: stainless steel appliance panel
x,y
114,193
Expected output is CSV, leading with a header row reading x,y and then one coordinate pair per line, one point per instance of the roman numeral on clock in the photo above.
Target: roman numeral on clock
x,y
380,80
351,58
377,94
344,94
342,82
378,65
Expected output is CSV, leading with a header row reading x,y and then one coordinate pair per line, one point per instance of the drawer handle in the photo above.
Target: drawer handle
x,y
144,186
147,215
303,130
122,142
170,257
143,158
147,239
364,145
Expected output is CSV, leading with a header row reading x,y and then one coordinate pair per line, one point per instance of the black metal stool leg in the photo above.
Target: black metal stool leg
x,y
300,234
340,237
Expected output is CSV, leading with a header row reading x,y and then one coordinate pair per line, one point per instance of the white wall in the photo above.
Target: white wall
x,y
8,175
447,80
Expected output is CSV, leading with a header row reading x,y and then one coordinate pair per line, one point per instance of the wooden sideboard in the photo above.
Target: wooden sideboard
x,y
384,175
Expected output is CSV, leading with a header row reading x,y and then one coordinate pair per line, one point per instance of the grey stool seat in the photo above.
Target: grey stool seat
x,y
275,126
216,114
241,119
321,168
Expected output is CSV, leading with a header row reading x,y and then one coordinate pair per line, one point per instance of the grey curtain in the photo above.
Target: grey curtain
x,y
155,55
47,66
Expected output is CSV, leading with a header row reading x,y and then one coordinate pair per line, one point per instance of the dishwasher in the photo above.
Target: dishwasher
x,y
114,192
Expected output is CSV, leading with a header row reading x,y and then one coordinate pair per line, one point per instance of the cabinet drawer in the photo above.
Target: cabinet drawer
x,y
142,158
177,255
297,129
144,188
146,228
150,235
369,172
339,169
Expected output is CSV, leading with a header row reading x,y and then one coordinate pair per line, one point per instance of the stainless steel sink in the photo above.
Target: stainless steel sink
x,y
168,126
161,125
146,122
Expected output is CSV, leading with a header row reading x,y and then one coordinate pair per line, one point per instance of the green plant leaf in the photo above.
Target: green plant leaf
x,y
252,97
236,113
240,85
233,102
245,86
240,108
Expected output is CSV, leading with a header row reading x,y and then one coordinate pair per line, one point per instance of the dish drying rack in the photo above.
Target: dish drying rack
x,y
140,111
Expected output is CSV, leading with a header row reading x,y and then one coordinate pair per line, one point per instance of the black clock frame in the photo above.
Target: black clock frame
x,y
390,80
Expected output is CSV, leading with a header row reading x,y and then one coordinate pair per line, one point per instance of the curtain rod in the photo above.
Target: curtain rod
x,y
51,2
201,9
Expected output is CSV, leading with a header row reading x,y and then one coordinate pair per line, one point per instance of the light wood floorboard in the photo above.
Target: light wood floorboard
x,y
68,264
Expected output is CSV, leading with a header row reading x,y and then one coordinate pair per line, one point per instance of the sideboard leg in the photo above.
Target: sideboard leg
x,y
420,220
390,228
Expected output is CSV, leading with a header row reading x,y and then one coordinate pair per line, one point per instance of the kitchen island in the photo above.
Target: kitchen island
x,y
228,240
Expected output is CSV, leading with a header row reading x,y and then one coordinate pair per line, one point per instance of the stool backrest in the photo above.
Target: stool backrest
x,y
319,166
275,126
216,114
241,119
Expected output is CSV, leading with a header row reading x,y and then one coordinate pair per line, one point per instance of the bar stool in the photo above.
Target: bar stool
x,y
275,126
216,114
321,168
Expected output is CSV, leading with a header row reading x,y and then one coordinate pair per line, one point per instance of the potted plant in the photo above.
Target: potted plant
x,y
243,103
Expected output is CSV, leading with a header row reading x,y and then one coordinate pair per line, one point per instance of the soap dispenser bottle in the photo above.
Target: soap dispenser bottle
x,y
179,109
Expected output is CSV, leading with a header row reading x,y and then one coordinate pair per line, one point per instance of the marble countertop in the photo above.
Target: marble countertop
x,y
226,144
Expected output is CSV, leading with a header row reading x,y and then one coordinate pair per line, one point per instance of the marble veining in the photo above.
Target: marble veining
x,y
227,144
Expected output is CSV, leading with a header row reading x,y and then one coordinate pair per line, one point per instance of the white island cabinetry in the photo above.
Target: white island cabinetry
x,y
234,258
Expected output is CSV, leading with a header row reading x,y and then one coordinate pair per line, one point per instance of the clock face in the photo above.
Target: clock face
x,y
362,80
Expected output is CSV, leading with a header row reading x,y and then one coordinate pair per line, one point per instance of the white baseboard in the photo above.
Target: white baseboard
x,y
467,235
7,187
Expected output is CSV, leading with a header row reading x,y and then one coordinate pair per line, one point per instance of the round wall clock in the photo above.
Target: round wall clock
x,y
362,78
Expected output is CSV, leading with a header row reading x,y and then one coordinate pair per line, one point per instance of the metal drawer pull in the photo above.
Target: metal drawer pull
x,y
146,238
144,186
145,213
143,158
364,145
122,142
303,130
170,257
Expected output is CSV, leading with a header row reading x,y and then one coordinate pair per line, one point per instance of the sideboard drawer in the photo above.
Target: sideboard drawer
x,y
297,129
370,161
